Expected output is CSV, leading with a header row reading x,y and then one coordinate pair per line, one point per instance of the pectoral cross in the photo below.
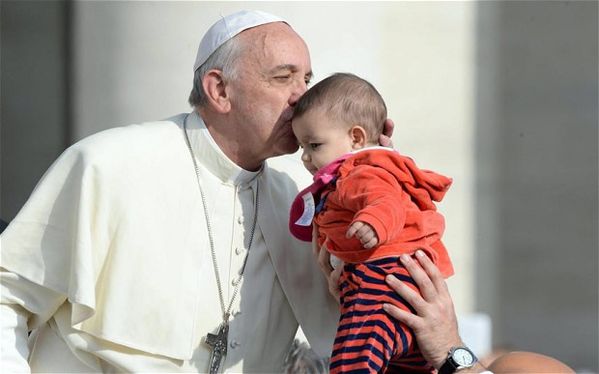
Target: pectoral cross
x,y
218,345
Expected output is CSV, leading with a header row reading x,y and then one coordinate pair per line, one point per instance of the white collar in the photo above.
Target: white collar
x,y
373,148
212,157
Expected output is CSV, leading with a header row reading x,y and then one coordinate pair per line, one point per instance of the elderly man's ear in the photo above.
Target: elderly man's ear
x,y
216,91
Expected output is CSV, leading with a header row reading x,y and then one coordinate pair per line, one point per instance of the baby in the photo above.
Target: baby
x,y
370,205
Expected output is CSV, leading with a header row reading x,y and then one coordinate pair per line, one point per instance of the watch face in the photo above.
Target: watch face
x,y
463,357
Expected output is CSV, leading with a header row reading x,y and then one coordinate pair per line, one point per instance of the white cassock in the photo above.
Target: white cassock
x,y
110,260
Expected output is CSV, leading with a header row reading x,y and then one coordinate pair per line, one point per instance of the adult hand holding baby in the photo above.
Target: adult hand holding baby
x,y
385,137
332,274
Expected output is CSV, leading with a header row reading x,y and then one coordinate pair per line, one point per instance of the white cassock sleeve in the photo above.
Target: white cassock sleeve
x,y
24,305
13,325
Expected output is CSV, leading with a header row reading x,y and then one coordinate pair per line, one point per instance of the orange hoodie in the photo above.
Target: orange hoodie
x,y
390,193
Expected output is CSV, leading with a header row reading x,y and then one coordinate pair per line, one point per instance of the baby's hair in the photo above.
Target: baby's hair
x,y
350,98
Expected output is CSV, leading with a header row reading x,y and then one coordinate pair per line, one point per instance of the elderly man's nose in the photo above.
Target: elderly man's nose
x,y
298,90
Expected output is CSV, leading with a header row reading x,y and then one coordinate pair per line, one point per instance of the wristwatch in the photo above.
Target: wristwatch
x,y
457,359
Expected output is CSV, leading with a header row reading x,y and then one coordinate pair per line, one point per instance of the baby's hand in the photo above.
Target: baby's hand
x,y
364,232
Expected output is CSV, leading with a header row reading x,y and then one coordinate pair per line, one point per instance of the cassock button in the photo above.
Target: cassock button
x,y
235,344
238,251
240,220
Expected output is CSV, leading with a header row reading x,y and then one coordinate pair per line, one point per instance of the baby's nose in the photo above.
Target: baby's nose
x,y
305,157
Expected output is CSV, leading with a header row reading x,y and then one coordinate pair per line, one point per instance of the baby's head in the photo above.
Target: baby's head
x,y
339,114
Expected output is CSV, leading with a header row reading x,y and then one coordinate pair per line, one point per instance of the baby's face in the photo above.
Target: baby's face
x,y
322,139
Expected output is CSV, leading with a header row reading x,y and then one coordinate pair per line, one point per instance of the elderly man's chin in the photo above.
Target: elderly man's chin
x,y
286,142
287,146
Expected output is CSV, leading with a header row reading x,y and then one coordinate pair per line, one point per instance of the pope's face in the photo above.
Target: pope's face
x,y
272,74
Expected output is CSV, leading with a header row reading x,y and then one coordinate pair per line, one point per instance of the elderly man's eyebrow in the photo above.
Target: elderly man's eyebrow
x,y
289,67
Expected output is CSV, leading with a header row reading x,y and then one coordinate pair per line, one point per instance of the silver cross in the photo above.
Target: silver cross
x,y
218,345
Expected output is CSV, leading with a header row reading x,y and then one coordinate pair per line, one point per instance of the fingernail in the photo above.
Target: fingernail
x,y
405,259
386,307
420,253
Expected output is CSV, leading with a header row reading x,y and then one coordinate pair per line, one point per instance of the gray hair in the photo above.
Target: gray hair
x,y
224,58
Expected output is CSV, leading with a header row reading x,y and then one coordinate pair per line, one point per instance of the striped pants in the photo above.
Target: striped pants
x,y
368,339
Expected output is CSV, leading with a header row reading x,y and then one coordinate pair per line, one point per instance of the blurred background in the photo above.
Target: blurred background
x,y
500,95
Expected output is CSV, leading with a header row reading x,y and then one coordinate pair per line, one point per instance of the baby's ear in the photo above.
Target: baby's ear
x,y
358,137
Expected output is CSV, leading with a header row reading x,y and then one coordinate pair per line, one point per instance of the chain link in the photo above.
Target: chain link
x,y
226,312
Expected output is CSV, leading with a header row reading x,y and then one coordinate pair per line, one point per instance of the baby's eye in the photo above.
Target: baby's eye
x,y
314,145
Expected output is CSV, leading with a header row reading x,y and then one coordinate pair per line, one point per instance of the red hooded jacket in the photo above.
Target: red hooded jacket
x,y
389,192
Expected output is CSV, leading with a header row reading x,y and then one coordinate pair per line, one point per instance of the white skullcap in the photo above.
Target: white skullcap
x,y
227,27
